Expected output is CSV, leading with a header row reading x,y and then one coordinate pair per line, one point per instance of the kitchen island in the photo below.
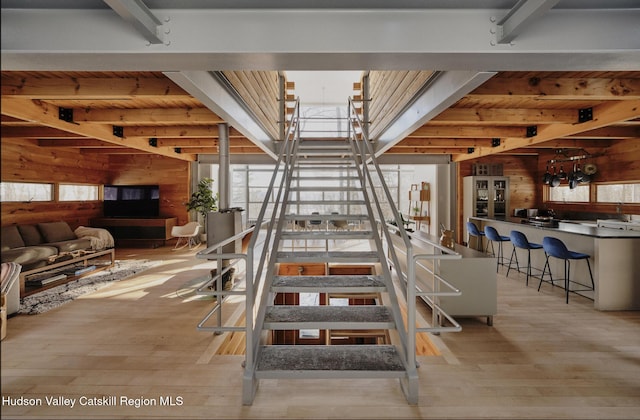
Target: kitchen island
x,y
615,258
474,275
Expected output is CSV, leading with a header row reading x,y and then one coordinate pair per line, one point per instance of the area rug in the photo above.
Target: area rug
x,y
56,296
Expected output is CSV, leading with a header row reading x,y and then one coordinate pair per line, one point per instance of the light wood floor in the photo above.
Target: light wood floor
x,y
137,339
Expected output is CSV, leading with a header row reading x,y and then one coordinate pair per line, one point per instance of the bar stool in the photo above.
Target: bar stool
x,y
475,232
493,236
554,247
519,240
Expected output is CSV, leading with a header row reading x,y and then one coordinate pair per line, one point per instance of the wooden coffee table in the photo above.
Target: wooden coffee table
x,y
64,260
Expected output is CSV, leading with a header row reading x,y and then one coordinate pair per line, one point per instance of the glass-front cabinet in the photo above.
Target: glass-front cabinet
x,y
486,196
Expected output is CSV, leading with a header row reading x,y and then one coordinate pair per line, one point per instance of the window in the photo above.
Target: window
x,y
25,192
618,193
563,193
74,192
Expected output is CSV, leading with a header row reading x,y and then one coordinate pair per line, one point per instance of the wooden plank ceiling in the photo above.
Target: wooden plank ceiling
x,y
512,113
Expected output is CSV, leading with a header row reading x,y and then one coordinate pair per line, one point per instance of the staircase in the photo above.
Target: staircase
x,y
312,178
331,168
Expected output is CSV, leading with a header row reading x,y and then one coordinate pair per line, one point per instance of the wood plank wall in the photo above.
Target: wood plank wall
x,y
390,92
260,91
22,160
172,175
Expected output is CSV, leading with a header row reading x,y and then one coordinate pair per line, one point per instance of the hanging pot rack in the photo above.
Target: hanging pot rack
x,y
567,158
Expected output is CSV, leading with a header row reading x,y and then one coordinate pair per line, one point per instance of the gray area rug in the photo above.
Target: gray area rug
x,y
56,296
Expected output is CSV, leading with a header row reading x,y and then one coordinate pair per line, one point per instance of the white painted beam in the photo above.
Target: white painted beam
x,y
136,13
442,92
521,16
203,86
296,39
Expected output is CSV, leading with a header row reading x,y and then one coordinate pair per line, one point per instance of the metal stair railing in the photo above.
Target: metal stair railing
x,y
358,137
430,296
258,259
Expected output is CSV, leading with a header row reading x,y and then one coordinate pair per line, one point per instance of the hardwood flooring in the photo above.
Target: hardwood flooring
x,y
136,340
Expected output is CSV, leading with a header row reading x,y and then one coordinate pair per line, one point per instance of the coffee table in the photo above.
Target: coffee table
x,y
59,262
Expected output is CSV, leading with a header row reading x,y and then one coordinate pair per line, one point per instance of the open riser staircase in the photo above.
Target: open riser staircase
x,y
333,169
327,209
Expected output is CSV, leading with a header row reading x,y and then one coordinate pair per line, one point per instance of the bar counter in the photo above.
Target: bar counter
x,y
615,258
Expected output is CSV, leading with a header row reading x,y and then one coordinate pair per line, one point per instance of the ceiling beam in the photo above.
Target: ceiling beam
x,y
608,133
498,116
603,115
136,13
426,151
147,116
520,16
176,142
37,132
174,131
77,143
204,86
469,131
601,89
443,142
86,88
388,39
441,92
232,150
47,114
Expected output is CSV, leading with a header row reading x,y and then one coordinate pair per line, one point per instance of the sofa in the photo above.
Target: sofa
x,y
31,246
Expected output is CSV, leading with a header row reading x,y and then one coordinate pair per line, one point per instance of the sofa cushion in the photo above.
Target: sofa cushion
x,y
56,232
31,235
11,238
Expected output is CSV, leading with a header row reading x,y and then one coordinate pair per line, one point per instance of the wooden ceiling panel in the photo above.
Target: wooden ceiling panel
x,y
149,105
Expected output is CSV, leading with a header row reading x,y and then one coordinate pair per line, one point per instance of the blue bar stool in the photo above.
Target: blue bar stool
x,y
554,247
493,236
519,240
475,232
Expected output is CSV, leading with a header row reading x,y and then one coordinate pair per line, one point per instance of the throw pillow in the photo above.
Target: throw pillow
x,y
31,235
11,238
56,232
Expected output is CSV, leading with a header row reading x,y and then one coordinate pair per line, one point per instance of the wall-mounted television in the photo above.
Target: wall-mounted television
x,y
135,201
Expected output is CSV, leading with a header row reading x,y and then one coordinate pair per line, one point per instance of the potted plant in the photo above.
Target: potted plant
x,y
416,211
203,201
